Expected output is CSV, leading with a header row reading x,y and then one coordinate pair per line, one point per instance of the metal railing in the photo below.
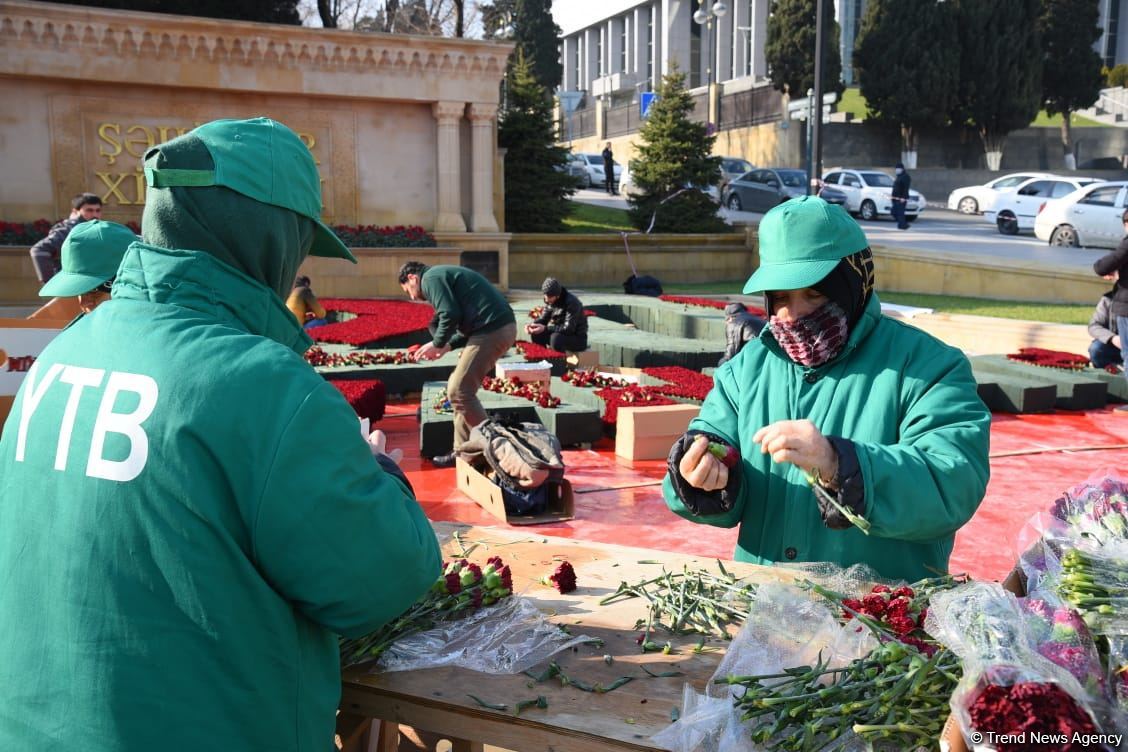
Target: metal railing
x,y
751,107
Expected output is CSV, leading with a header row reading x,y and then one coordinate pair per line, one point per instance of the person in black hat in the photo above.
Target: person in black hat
x,y
901,185
741,326
562,324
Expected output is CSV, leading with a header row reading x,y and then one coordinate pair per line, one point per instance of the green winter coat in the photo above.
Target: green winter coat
x,y
465,303
909,404
188,519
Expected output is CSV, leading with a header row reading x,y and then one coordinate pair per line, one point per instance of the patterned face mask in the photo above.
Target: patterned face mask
x,y
815,338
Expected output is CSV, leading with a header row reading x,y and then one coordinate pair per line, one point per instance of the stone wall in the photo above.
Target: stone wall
x,y
403,127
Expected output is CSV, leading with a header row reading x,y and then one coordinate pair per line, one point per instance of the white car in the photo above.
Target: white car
x,y
869,193
1015,211
975,199
595,176
1091,216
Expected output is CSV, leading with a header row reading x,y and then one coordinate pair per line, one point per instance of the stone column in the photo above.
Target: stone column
x,y
567,54
722,62
482,118
675,35
639,41
759,23
742,22
448,115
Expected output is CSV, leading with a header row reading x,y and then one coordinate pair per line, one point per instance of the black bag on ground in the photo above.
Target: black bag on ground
x,y
642,284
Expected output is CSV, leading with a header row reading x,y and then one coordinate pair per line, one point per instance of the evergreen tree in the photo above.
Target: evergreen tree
x,y
674,156
538,37
1071,73
496,16
907,61
790,47
537,185
270,11
1000,69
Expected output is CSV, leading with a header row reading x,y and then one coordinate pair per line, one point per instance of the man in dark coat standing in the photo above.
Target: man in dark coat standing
x,y
562,324
900,196
608,168
1114,266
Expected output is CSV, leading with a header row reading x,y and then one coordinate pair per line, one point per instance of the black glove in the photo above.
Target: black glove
x,y
851,486
700,502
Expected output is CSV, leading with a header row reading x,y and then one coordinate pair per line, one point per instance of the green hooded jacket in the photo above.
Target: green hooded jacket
x,y
188,519
465,304
909,404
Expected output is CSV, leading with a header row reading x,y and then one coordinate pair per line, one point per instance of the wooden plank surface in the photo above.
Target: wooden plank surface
x,y
575,721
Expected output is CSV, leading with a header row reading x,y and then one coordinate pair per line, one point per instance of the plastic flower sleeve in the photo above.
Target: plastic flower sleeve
x,y
1008,686
506,638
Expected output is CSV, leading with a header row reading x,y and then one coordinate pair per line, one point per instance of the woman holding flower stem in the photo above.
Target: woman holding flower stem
x,y
839,435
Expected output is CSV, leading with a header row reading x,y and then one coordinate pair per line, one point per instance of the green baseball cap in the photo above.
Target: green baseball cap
x,y
91,255
801,241
264,160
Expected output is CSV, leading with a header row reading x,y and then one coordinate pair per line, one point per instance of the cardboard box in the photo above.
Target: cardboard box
x,y
587,360
540,371
488,495
647,433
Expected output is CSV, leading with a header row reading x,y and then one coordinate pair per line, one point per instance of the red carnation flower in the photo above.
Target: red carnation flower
x,y
564,578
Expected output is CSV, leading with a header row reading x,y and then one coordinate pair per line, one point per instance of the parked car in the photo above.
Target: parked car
x,y
869,193
760,190
1090,216
1014,211
732,168
593,166
976,199
576,166
627,186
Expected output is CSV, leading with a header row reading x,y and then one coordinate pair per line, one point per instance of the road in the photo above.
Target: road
x,y
937,230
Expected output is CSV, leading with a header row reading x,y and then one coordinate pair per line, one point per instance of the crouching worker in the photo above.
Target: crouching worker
x,y
1105,349
883,418
179,557
562,324
741,327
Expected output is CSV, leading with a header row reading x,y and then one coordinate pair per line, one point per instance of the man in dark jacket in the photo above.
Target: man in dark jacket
x,y
901,185
740,328
45,253
562,324
1105,348
1114,266
469,313
608,168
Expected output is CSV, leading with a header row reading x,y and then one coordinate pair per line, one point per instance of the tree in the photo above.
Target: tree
x,y
270,11
907,61
537,36
1071,70
790,47
497,16
673,164
1000,69
537,185
434,17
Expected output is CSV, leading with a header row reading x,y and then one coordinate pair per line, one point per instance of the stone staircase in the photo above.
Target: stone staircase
x,y
1111,108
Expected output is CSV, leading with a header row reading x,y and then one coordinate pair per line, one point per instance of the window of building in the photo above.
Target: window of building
x,y
1111,32
599,52
576,58
747,32
624,33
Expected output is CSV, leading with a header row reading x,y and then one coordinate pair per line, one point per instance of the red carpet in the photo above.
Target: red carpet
x,y
618,501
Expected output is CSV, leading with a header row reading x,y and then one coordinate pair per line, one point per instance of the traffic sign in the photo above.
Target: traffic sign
x,y
645,99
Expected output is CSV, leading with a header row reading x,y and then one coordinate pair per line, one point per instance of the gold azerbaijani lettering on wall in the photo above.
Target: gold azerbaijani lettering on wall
x,y
120,146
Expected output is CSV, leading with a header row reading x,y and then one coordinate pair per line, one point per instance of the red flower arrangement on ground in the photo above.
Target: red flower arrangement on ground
x,y
592,379
373,236
533,391
366,396
377,320
681,382
1037,356
709,303
563,579
316,357
630,396
534,352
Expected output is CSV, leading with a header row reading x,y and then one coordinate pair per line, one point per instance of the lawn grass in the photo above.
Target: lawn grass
x,y
591,218
1052,313
853,102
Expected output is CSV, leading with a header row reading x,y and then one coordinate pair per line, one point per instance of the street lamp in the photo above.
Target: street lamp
x,y
704,17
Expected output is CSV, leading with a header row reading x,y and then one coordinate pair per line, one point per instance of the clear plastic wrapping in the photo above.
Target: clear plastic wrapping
x,y
507,638
1009,685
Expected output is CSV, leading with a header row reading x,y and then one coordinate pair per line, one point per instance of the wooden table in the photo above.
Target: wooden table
x,y
575,721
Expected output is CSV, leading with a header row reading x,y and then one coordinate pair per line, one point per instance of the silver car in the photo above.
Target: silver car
x,y
760,190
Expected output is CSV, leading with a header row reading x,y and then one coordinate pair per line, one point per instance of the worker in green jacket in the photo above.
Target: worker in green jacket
x,y
471,314
189,516
90,257
883,418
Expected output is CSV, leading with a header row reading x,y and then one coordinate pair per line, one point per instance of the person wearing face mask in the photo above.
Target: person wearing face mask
x,y
882,417
90,256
